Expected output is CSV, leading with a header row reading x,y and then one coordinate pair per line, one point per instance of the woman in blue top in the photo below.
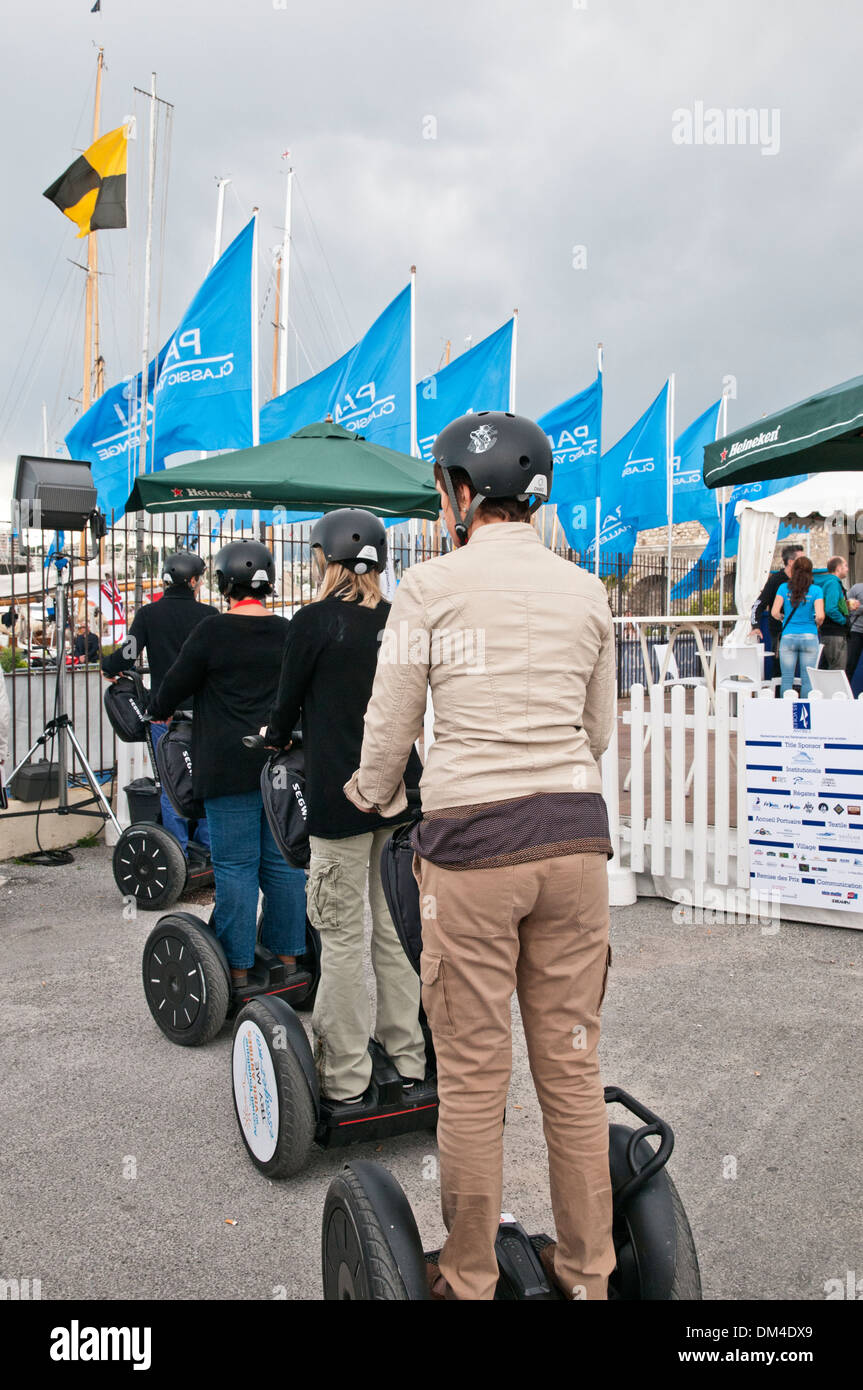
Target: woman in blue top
x,y
799,607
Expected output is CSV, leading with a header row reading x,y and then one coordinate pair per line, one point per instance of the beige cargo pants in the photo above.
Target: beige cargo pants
x,y
338,874
540,928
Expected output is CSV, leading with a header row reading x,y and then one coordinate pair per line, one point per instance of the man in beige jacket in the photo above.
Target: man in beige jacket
x,y
517,647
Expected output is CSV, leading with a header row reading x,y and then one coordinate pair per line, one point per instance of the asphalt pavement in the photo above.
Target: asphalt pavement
x,y
123,1168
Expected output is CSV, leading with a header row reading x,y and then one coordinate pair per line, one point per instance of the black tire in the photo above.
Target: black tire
x,y
310,961
149,866
185,981
642,1245
687,1276
356,1258
276,1120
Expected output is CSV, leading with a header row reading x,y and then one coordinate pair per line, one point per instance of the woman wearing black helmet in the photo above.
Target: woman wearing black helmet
x,y
231,664
327,674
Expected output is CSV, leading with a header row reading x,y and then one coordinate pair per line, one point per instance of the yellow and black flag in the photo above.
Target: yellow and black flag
x,y
92,192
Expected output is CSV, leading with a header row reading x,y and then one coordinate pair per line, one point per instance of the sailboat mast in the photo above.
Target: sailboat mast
x,y
91,301
284,291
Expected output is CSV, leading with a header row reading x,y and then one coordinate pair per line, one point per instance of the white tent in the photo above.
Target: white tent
x,y
836,496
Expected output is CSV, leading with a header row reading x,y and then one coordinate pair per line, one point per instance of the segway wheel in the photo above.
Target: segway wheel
x,y
149,866
646,1234
185,981
272,1100
370,1246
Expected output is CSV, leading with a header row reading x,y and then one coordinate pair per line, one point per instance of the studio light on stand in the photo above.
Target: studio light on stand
x,y
58,495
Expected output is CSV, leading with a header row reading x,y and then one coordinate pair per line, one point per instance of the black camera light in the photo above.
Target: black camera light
x,y
53,494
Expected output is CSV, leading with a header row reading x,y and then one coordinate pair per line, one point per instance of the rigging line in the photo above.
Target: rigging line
x,y
69,366
332,351
163,219
324,254
26,386
336,326
32,329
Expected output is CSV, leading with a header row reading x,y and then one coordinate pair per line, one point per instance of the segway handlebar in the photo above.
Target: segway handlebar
x,y
258,740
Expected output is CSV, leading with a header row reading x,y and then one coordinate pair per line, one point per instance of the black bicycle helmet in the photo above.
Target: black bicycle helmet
x,y
181,567
504,455
352,537
245,562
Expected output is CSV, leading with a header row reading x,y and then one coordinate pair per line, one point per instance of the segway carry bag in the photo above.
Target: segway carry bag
x,y
402,893
174,764
125,702
283,790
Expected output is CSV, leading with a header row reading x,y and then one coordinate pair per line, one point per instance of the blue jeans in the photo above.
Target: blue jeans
x,y
178,825
245,856
797,648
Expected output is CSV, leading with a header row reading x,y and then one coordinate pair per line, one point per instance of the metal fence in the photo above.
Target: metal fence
x,y
102,593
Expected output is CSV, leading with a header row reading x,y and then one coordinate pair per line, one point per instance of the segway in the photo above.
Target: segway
x,y
187,978
149,864
371,1247
280,1110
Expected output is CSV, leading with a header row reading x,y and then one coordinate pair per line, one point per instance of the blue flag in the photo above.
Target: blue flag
x,y
478,380
634,474
617,537
203,395
367,390
574,430
109,436
710,556
692,500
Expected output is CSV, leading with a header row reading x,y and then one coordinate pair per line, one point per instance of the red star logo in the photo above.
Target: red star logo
x,y
724,455
177,491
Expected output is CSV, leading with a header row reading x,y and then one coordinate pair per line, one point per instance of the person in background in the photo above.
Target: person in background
x,y
834,629
763,623
87,646
230,663
160,629
855,634
799,609
328,669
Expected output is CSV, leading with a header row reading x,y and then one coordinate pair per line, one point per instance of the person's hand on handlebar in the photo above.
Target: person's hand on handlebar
x,y
260,741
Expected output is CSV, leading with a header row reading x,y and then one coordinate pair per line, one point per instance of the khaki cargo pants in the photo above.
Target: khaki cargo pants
x,y
341,1022
540,928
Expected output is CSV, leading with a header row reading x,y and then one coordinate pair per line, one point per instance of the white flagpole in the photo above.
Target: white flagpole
x,y
256,385
669,472
220,217
145,348
286,288
598,518
513,361
723,500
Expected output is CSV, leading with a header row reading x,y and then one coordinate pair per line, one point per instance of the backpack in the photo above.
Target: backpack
x,y
283,789
125,702
174,764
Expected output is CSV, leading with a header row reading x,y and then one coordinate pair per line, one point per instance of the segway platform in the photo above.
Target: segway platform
x,y
371,1247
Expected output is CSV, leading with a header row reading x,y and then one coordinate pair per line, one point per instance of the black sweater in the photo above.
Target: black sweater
x,y
160,628
328,671
231,664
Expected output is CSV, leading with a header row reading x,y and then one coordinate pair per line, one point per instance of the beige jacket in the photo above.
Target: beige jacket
x,y
517,645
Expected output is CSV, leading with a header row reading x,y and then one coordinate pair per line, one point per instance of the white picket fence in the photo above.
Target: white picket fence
x,y
689,849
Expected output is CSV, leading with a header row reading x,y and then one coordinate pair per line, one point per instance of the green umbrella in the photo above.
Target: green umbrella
x,y
819,435
318,468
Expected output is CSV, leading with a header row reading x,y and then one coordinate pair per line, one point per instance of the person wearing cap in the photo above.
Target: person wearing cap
x,y
160,629
516,645
328,668
230,664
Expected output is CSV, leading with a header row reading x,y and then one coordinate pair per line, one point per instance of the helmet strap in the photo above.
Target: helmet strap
x,y
462,525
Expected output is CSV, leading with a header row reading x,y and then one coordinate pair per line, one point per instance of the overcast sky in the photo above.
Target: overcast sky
x,y
554,125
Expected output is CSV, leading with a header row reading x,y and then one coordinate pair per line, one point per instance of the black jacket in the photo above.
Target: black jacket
x,y
328,670
230,664
160,629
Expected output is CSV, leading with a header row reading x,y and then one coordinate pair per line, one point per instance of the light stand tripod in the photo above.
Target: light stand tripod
x,y
61,727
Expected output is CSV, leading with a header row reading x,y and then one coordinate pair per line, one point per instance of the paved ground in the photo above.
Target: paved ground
x,y
746,1042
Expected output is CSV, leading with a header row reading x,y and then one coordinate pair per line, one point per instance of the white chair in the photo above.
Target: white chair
x,y
668,663
741,666
829,684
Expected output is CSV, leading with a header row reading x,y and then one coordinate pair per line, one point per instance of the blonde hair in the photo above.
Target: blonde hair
x,y
337,581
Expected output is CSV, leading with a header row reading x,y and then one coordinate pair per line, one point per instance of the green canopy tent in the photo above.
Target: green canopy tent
x,y
819,435
317,469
